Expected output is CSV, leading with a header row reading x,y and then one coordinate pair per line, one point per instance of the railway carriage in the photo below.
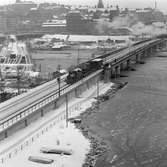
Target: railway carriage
x,y
95,64
84,70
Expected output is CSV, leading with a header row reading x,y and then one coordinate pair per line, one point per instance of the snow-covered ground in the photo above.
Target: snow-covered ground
x,y
65,137
51,131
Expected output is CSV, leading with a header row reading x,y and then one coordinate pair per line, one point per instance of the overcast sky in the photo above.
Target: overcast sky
x,y
161,4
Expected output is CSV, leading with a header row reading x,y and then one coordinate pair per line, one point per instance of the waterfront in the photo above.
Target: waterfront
x,y
135,116
119,122
86,47
50,61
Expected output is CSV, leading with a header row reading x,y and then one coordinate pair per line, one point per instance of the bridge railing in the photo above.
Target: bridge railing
x,y
130,51
13,118
33,136
22,114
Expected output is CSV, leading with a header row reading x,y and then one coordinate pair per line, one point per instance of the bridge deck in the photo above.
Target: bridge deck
x,y
18,103
27,99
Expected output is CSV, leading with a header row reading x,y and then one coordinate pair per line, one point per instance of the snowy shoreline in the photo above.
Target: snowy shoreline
x,y
20,158
98,146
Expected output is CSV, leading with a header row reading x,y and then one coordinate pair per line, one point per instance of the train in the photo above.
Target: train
x,y
86,68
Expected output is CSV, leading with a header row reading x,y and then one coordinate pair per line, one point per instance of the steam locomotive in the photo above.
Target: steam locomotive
x,y
84,70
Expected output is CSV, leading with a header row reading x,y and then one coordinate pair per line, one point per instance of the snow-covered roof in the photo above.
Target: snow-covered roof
x,y
142,11
85,38
97,60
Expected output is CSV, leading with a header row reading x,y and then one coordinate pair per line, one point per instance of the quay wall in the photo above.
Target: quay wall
x,y
72,93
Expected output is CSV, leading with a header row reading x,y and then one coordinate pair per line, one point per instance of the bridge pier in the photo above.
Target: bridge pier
x,y
87,85
165,43
107,73
151,50
3,135
138,58
55,104
155,48
128,62
158,47
161,46
122,66
118,71
26,123
113,73
145,53
42,113
76,93
6,134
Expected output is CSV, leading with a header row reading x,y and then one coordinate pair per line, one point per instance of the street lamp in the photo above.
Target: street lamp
x,y
78,58
58,79
18,78
66,110
1,89
97,92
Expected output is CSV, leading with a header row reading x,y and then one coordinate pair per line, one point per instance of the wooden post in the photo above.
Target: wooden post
x,y
78,57
6,134
42,113
66,110
97,92
115,73
18,79
58,79
26,123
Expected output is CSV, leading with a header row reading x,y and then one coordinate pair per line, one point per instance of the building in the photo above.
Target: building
x,y
100,4
22,8
8,22
55,26
3,21
114,12
78,24
12,23
149,15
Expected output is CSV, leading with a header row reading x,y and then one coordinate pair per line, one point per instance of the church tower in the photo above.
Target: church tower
x,y
18,1
100,4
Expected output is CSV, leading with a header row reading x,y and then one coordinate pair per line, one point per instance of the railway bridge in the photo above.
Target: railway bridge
x,y
20,111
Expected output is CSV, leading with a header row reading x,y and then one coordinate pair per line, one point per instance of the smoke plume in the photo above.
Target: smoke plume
x,y
150,30
131,24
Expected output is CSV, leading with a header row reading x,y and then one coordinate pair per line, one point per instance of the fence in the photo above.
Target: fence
x,y
50,124
27,110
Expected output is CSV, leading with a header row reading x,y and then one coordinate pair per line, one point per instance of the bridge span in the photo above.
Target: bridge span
x,y
21,110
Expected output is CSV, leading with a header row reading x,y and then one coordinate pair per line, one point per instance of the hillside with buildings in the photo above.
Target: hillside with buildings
x,y
26,16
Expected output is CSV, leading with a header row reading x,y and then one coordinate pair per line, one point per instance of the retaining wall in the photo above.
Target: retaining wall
x,y
72,93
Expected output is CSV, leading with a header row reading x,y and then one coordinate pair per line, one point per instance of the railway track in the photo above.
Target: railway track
x,y
51,86
126,52
9,107
26,101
